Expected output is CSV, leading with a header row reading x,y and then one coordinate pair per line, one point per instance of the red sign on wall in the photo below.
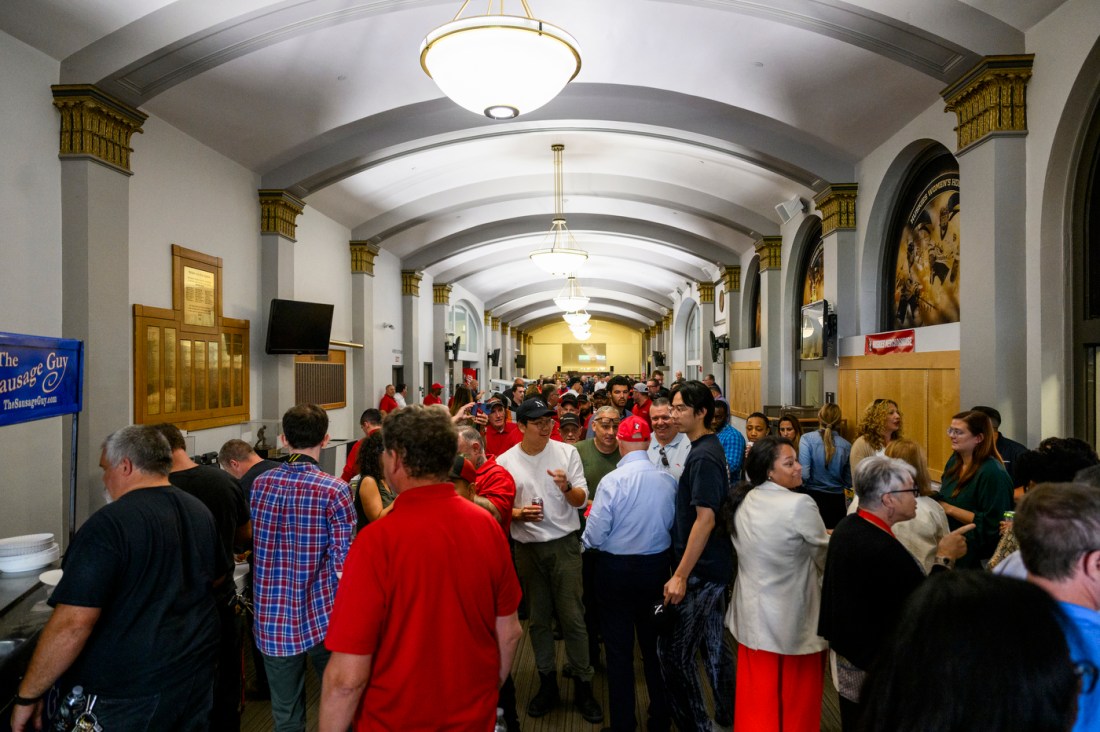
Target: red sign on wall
x,y
895,341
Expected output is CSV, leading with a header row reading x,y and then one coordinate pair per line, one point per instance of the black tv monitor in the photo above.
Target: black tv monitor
x,y
814,341
521,361
299,327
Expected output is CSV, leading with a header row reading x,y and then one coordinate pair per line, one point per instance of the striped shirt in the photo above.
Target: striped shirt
x,y
302,521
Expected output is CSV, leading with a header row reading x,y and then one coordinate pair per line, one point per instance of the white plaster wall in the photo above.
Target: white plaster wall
x,y
323,274
182,192
35,486
387,309
1061,43
426,339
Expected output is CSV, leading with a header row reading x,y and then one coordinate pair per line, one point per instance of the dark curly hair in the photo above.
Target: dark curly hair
x,y
424,438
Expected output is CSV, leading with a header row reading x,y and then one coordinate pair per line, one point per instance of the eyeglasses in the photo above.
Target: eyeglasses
x,y
545,423
664,457
914,491
1086,675
681,408
953,432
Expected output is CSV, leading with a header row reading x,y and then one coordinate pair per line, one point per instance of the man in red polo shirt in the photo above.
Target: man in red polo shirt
x,y
500,434
432,397
410,610
388,403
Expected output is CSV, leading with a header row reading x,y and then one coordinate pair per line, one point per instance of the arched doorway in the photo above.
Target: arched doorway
x,y
1086,268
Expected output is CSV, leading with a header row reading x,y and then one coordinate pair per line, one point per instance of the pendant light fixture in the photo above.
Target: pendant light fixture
x,y
571,299
563,256
500,65
576,318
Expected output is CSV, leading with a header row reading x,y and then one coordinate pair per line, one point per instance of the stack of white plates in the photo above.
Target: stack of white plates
x,y
26,553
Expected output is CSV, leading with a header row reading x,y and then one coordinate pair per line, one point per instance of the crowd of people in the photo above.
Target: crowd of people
x,y
617,515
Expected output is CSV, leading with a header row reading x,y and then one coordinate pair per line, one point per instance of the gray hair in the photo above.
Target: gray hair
x,y
1056,523
145,447
471,435
613,411
878,475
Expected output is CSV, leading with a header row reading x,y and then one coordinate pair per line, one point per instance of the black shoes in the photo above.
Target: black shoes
x,y
547,698
585,702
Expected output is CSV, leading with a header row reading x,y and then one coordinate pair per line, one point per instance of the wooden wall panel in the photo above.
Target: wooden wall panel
x,y
924,385
744,380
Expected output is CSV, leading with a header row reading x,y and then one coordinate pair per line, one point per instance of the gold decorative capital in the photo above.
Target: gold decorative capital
x,y
990,98
410,282
362,257
837,205
488,318
668,321
706,292
770,251
731,276
495,324
441,293
647,333
659,328
506,330
95,124
279,212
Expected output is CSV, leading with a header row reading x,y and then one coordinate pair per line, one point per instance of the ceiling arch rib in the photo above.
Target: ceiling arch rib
x,y
435,253
598,297
535,316
581,107
655,299
501,260
173,44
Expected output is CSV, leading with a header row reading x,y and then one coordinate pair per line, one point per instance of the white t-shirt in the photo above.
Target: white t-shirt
x,y
529,472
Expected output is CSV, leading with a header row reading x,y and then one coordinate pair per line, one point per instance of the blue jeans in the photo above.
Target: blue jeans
x,y
698,627
183,708
286,676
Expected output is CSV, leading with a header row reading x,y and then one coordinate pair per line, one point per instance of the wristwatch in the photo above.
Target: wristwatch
x,y
945,562
22,701
568,487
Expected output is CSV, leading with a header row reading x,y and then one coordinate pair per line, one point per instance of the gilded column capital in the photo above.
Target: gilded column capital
x,y
441,293
410,282
991,98
95,124
659,328
667,322
706,292
488,318
362,257
837,205
770,251
505,330
495,325
731,276
647,333
279,212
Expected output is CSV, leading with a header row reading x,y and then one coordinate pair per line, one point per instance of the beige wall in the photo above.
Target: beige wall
x,y
624,348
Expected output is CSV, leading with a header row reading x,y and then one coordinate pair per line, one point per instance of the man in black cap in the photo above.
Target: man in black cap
x,y
550,487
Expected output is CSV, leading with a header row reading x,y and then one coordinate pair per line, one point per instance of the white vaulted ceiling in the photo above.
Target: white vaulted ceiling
x,y
689,121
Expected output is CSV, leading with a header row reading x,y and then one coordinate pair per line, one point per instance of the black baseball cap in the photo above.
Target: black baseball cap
x,y
532,409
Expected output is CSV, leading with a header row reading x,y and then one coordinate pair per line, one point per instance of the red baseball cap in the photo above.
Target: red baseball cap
x,y
633,429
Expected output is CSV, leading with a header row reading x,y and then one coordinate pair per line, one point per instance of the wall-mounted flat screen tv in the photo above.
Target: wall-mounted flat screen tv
x,y
294,326
814,341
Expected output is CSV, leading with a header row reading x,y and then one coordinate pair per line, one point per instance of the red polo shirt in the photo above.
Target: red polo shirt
x,y
497,486
431,399
421,593
498,443
387,405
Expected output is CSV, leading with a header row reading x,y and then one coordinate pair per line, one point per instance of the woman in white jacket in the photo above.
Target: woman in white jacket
x,y
780,542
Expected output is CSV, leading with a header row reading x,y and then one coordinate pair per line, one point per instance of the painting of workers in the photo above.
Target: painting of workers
x,y
924,282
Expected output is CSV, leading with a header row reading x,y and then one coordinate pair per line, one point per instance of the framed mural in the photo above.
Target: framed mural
x,y
922,255
813,283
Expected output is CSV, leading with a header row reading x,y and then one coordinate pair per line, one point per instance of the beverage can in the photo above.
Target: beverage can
x,y
537,502
1008,516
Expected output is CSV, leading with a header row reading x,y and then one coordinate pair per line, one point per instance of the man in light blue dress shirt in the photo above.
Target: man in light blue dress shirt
x,y
668,447
629,524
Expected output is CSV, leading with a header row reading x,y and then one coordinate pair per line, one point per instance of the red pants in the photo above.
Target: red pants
x,y
777,693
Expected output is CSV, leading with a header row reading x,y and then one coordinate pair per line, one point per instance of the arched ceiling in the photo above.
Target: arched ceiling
x,y
689,122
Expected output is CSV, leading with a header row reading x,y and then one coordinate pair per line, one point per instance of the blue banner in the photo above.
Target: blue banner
x,y
39,377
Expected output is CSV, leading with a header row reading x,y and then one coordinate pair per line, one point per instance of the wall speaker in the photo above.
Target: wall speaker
x,y
789,209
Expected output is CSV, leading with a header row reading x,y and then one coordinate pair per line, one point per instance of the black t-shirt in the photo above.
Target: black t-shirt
x,y
219,492
147,561
705,483
251,474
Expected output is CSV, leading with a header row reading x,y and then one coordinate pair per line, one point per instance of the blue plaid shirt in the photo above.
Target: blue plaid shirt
x,y
302,520
733,444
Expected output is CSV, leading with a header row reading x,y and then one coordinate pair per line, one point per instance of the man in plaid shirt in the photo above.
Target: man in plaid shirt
x,y
302,522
